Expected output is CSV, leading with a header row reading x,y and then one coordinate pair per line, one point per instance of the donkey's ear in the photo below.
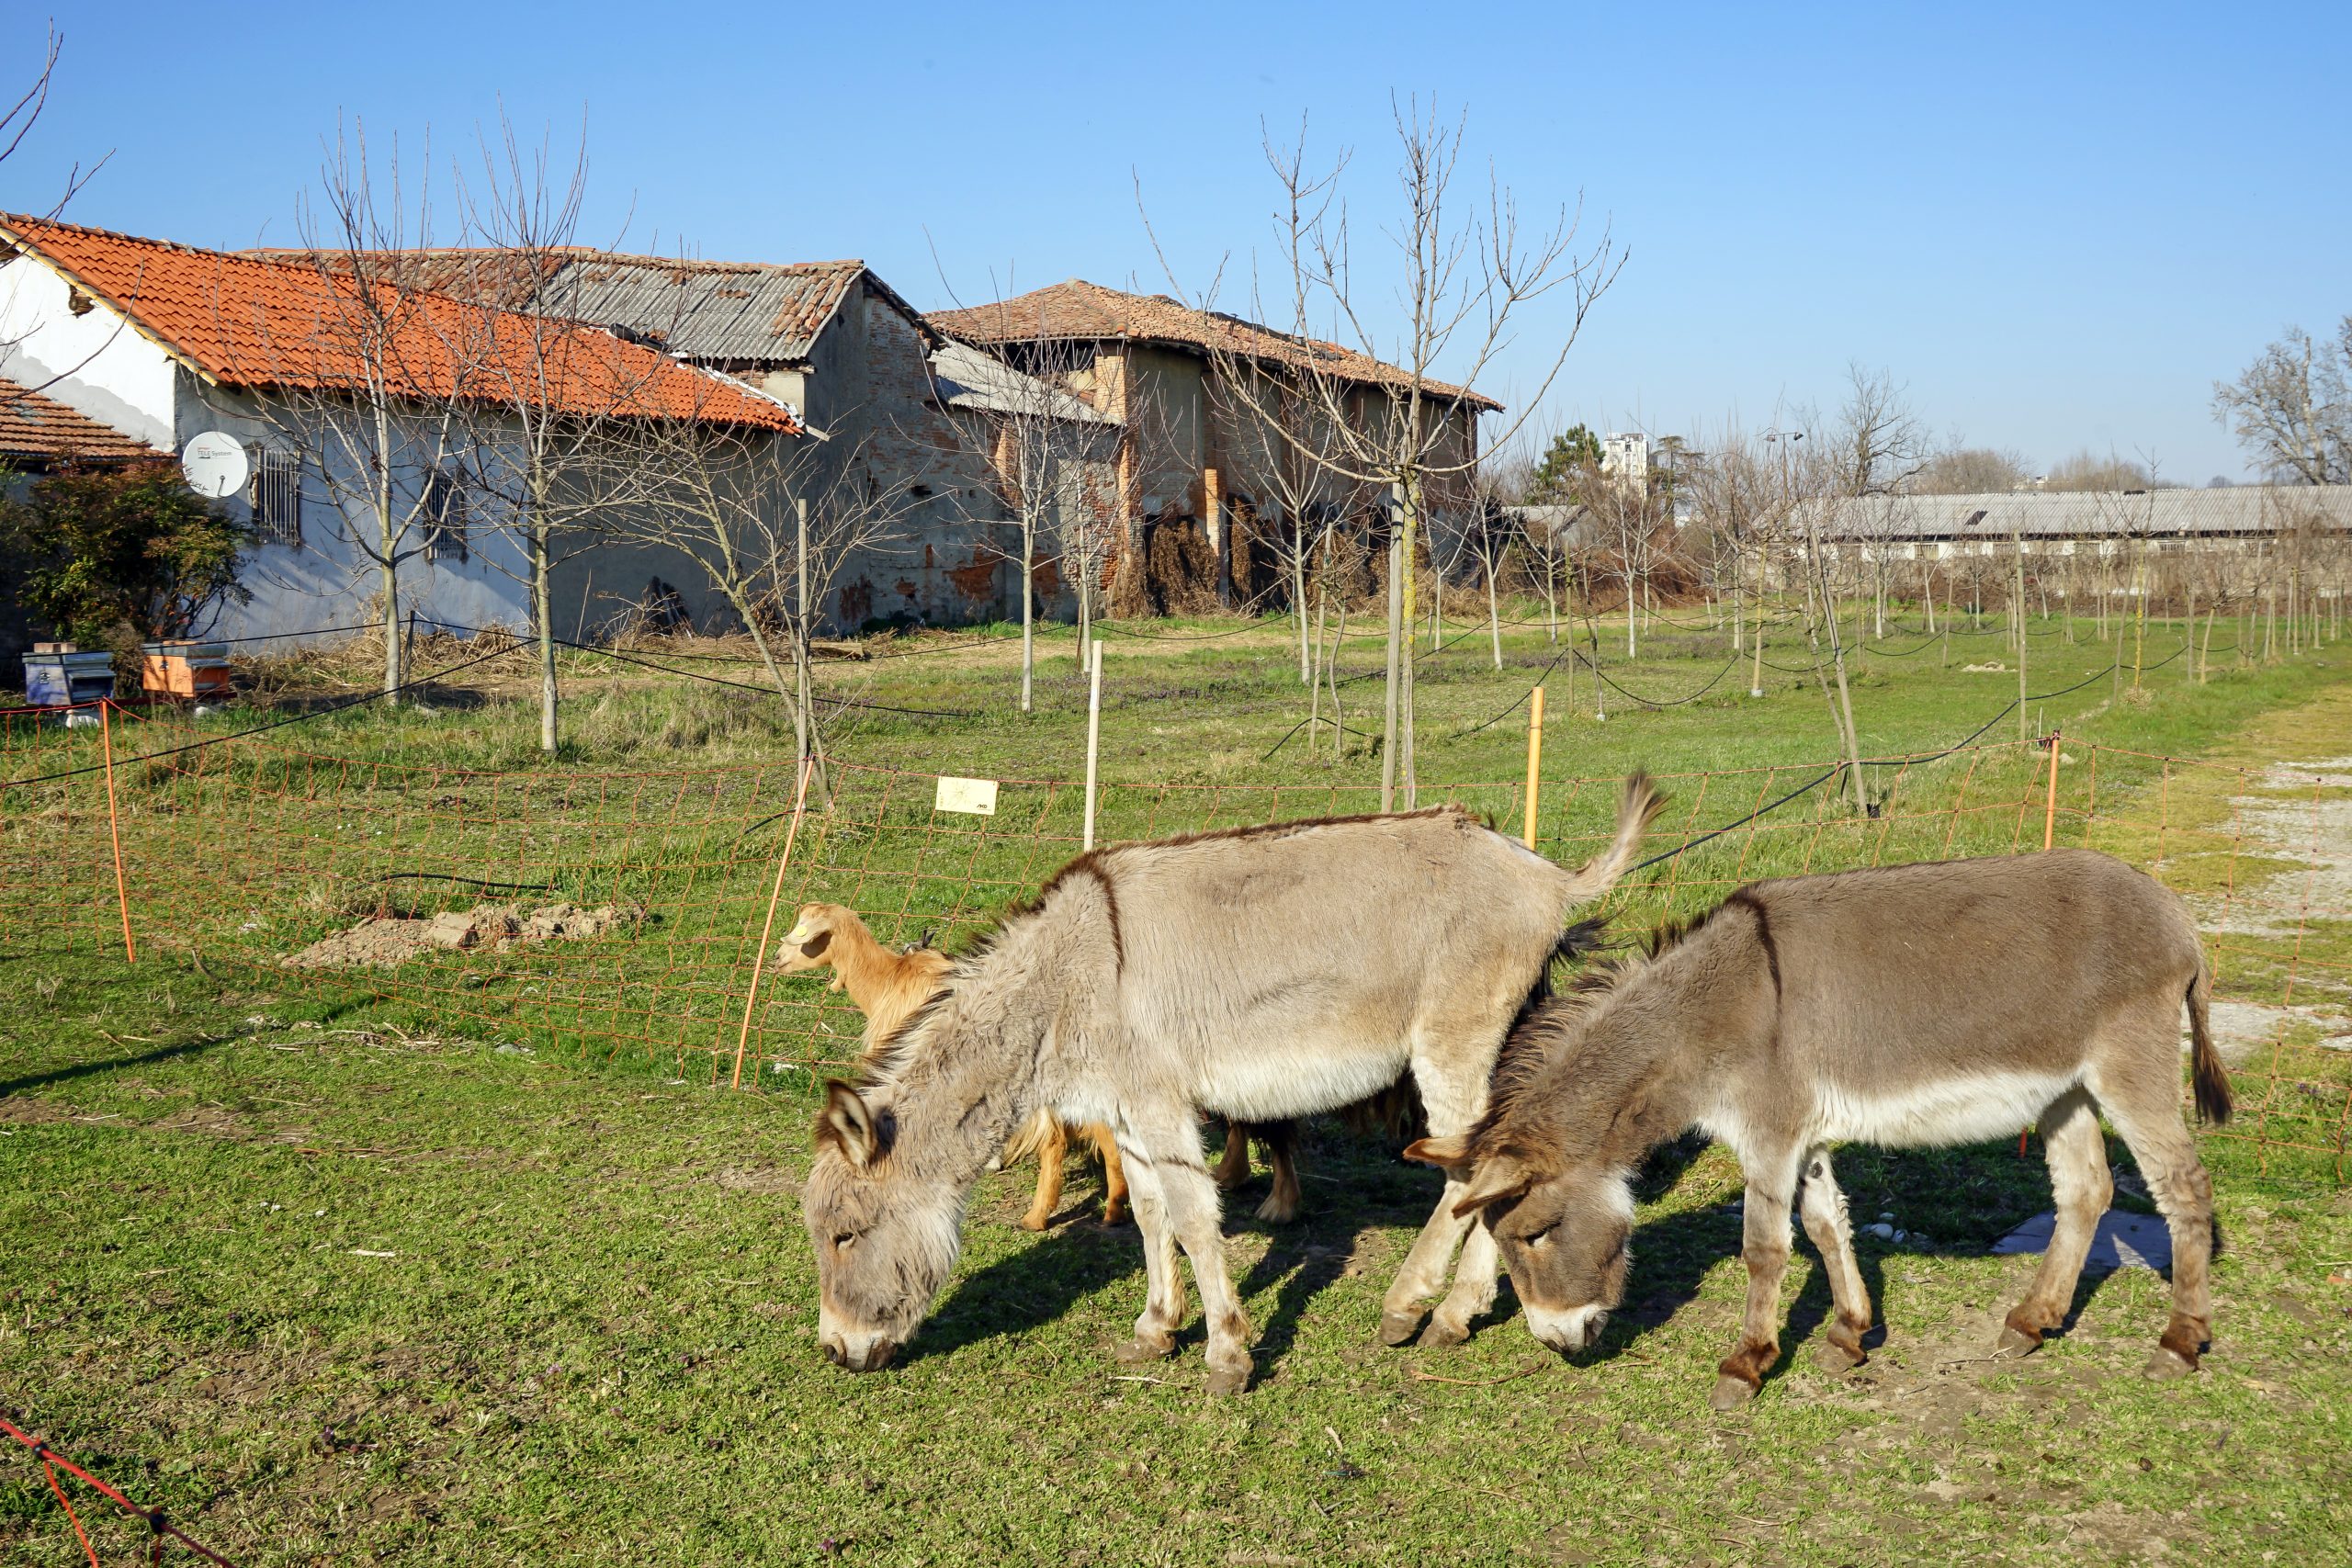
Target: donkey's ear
x,y
1492,1181
1449,1154
848,1124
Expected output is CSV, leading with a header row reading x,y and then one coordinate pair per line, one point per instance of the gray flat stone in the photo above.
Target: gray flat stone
x,y
2123,1241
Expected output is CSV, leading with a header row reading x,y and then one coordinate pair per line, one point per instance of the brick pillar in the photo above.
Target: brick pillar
x,y
1213,518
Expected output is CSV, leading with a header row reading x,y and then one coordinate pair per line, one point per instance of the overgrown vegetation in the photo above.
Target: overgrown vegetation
x,y
104,550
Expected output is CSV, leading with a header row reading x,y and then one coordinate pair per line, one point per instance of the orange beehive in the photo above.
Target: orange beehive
x,y
184,668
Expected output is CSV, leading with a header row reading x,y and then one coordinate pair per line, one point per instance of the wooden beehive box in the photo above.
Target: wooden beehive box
x,y
180,668
59,678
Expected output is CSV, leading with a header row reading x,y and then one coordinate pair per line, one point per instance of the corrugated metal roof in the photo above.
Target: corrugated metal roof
x,y
2245,509
726,312
969,379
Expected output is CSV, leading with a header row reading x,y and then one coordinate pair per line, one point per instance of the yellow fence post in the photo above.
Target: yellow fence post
x,y
113,829
2049,807
1534,757
743,1035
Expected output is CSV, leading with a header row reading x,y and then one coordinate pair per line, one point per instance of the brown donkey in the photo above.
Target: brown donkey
x,y
888,989
1903,1006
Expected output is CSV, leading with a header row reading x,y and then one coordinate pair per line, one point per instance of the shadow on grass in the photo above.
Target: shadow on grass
x,y
55,1076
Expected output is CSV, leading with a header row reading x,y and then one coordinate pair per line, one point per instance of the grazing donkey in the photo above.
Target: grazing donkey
x,y
1261,974
1903,1006
889,987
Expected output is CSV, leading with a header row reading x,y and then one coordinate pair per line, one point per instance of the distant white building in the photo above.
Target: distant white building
x,y
1626,455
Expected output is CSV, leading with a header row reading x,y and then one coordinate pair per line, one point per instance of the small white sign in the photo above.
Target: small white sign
x,y
976,796
214,464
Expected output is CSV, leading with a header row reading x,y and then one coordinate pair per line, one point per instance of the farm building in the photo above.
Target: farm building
x,y
2287,540
911,427
159,343
1204,463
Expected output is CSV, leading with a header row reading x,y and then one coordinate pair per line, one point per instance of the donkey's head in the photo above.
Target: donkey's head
x,y
886,1234
1564,1232
809,944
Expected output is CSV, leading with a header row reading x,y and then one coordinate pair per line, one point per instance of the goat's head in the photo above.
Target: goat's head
x,y
809,944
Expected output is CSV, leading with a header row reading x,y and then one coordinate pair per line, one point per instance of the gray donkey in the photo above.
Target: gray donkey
x,y
1903,1006
1261,974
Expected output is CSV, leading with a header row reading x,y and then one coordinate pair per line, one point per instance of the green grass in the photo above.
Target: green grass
x,y
595,1340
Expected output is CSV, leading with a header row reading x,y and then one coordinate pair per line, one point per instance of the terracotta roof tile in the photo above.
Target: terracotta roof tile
x,y
1081,310
260,321
32,426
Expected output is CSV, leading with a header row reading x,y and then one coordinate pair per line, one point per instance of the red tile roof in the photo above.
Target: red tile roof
x,y
34,426
249,321
1084,311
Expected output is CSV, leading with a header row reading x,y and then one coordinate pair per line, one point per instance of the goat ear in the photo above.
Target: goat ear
x,y
1491,1182
848,1124
1449,1154
815,947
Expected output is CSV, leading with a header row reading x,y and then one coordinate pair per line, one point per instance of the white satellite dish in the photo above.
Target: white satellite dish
x,y
216,465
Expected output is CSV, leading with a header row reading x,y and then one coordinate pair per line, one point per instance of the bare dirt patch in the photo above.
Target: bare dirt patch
x,y
386,942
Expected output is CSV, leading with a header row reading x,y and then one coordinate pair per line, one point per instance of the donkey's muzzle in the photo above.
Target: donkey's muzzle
x,y
872,1359
1568,1331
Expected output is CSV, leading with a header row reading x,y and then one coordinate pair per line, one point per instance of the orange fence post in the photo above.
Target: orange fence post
x,y
114,830
1534,757
751,996
2050,811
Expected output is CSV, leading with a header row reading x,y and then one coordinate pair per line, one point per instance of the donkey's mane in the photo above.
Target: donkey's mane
x,y
1549,1022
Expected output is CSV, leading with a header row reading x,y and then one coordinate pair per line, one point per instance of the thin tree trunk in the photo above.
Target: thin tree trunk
x,y
1028,611
543,610
1389,701
1494,616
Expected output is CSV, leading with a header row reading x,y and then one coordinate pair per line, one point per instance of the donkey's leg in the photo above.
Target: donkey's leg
x,y
1827,1222
1052,1149
1771,1184
1452,1076
1281,1139
2080,1187
1170,1149
1163,1310
1474,1279
2146,1110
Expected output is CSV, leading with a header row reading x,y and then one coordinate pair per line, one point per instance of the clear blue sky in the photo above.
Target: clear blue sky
x,y
2055,230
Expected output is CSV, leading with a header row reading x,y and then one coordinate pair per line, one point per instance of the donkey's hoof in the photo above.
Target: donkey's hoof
x,y
2014,1344
2165,1364
1731,1393
1441,1333
1398,1327
1113,1214
1228,1380
1035,1222
1139,1352
1274,1212
1837,1360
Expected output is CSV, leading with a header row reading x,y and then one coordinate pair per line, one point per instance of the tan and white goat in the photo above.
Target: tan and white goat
x,y
889,987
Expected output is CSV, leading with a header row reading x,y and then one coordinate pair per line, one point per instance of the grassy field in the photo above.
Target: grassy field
x,y
447,1265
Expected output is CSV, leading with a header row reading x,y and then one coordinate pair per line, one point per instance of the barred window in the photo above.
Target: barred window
x,y
444,518
276,496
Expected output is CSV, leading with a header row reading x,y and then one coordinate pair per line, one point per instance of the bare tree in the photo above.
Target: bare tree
x,y
2087,470
557,400
1289,447
1972,470
1460,279
2292,408
770,519
372,386
17,122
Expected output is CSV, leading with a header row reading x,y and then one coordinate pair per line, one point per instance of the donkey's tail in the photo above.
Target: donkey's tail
x,y
1636,808
2206,1076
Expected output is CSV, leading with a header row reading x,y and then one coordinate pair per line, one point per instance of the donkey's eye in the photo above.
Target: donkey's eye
x,y
844,1241
1535,1236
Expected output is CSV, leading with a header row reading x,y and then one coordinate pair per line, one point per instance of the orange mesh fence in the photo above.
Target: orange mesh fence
x,y
618,914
